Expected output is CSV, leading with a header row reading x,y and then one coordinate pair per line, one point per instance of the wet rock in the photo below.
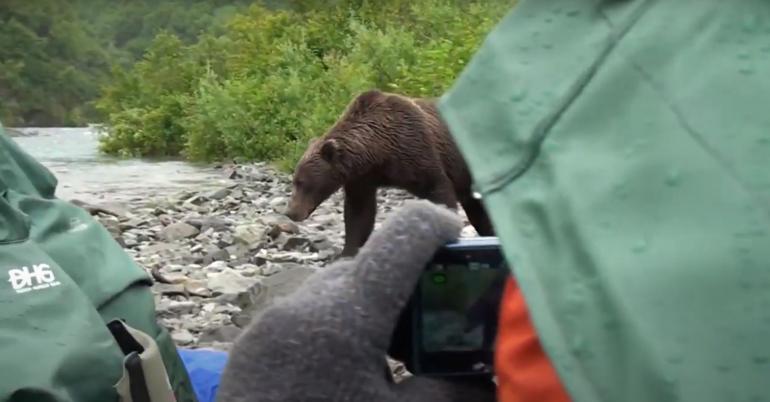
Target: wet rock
x,y
218,194
278,224
296,243
227,333
178,231
111,223
250,235
229,283
181,307
278,203
182,337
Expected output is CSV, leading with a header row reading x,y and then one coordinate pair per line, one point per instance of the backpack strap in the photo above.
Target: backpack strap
x,y
144,375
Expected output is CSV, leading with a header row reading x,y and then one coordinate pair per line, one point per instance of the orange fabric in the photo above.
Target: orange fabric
x,y
524,372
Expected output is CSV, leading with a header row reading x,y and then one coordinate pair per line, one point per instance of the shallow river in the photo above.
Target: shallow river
x,y
84,173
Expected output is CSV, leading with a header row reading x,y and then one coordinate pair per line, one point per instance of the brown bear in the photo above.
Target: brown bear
x,y
383,140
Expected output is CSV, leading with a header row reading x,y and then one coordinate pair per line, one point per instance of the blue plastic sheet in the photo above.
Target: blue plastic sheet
x,y
205,369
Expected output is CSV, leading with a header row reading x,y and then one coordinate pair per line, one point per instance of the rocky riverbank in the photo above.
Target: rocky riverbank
x,y
218,257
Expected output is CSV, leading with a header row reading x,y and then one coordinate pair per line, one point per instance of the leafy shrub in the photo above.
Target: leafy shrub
x,y
277,78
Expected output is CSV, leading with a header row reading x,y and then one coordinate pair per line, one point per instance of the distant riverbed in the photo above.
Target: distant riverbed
x,y
84,173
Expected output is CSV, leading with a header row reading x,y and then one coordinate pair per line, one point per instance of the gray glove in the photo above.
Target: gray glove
x,y
328,340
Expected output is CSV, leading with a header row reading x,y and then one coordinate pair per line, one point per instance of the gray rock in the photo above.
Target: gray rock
x,y
182,307
279,223
278,204
250,235
178,231
218,194
229,283
111,223
227,333
216,266
165,219
182,337
294,243
237,250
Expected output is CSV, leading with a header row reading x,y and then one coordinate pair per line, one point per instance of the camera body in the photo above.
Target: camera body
x,y
449,325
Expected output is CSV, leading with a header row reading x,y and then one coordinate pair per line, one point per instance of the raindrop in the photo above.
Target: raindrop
x,y
519,97
675,359
640,246
744,56
761,360
573,13
746,71
547,46
548,20
673,178
764,140
723,368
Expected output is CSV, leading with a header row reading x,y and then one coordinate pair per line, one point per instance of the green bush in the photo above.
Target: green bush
x,y
277,78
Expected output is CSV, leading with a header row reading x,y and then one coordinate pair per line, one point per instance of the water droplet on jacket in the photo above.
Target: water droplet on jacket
x,y
518,97
764,140
675,359
746,71
573,13
744,56
723,368
547,46
640,246
673,178
548,20
761,360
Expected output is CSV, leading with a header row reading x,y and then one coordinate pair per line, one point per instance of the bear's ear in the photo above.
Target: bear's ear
x,y
330,150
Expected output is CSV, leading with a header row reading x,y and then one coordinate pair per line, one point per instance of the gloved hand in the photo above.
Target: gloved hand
x,y
327,341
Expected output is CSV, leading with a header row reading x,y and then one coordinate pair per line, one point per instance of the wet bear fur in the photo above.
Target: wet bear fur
x,y
383,140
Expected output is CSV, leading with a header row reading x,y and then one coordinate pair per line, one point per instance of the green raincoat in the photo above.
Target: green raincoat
x,y
623,151
64,279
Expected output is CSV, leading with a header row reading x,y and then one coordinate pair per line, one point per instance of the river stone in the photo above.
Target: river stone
x,y
278,203
111,223
227,333
229,283
279,223
178,231
182,337
293,242
182,307
250,235
218,194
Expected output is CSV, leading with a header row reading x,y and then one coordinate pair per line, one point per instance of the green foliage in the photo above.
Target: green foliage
x,y
56,54
273,79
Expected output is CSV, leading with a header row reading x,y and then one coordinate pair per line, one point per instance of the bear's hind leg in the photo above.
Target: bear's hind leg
x,y
360,211
441,191
477,216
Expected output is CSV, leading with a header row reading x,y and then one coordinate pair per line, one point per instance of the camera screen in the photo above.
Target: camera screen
x,y
460,302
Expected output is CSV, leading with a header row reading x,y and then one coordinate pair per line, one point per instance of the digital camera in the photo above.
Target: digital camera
x,y
449,325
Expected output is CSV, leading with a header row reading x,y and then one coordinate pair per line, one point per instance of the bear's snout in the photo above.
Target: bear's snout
x,y
296,211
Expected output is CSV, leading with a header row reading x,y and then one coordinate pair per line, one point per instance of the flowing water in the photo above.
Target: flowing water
x,y
84,173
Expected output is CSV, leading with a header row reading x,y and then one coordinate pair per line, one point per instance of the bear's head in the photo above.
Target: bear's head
x,y
318,175
341,154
